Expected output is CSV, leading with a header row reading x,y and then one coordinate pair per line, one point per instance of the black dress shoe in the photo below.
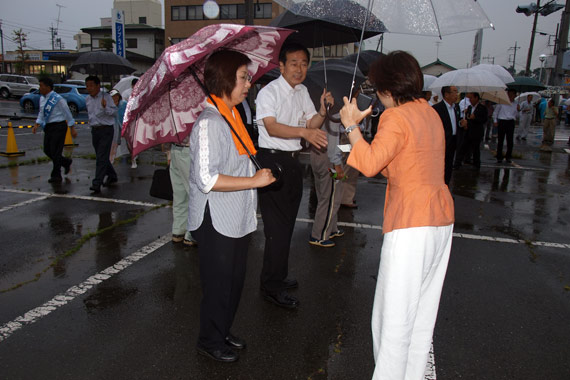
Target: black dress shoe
x,y
95,189
226,354
282,299
290,283
235,342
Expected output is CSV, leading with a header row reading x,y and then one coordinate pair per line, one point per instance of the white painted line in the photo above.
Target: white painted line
x,y
23,203
83,197
70,294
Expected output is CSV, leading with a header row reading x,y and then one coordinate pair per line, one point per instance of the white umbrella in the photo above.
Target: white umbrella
x,y
428,80
499,71
124,84
469,80
522,97
499,97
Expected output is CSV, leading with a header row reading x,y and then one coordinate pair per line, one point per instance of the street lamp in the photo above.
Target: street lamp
x,y
542,58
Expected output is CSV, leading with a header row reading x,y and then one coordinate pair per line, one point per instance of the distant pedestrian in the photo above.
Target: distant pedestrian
x,y
504,118
409,151
101,110
448,112
54,118
549,126
474,126
526,108
118,126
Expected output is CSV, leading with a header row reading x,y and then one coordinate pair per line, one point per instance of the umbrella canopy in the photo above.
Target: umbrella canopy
x,y
521,84
313,32
366,59
167,99
339,80
419,17
499,96
469,80
102,63
522,97
428,80
499,71
124,84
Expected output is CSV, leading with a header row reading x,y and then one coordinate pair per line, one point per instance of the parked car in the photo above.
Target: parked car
x,y
73,94
79,82
17,85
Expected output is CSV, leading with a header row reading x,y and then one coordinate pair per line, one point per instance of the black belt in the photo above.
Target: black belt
x,y
290,153
100,126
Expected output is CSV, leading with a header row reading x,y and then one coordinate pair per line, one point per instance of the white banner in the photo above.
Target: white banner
x,y
477,44
118,32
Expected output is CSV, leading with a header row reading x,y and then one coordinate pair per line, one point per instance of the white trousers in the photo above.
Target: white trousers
x,y
413,264
524,124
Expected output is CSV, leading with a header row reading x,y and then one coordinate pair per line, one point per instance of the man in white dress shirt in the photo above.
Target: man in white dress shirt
x,y
285,115
504,119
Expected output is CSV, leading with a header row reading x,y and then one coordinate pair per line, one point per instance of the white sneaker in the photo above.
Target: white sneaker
x,y
134,164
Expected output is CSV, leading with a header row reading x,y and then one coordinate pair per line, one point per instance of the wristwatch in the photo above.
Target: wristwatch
x,y
349,129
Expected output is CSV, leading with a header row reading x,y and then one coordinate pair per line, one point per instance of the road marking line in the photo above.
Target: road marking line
x,y
32,316
23,203
84,197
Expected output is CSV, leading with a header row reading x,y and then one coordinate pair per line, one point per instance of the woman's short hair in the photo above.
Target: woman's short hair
x,y
220,72
398,73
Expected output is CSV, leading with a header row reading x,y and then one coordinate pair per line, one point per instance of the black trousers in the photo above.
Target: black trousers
x,y
102,138
450,148
470,145
222,273
279,204
505,128
54,140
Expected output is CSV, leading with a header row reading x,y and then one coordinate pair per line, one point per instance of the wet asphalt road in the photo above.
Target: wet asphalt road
x,y
504,311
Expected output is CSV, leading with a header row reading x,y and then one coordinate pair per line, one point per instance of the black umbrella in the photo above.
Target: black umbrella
x,y
525,84
313,32
102,63
367,58
338,74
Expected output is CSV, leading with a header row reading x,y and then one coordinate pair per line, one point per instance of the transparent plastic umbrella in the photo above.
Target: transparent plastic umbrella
x,y
498,70
469,80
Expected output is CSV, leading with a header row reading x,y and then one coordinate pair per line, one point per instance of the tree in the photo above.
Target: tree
x,y
106,43
20,38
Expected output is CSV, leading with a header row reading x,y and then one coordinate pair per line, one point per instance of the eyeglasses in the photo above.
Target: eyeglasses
x,y
245,78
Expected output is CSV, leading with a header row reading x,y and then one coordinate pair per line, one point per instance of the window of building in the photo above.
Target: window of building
x,y
132,43
58,69
195,12
178,13
228,11
142,20
37,69
262,10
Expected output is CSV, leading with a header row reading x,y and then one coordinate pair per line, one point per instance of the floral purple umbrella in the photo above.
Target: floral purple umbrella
x,y
167,100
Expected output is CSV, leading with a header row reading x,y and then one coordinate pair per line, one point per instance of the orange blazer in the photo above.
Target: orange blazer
x,y
409,150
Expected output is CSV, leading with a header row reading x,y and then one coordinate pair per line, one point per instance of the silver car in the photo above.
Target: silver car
x,y
17,85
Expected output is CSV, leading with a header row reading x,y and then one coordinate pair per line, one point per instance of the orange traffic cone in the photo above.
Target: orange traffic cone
x,y
11,146
68,138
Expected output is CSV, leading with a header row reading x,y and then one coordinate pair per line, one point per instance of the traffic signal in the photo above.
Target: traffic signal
x,y
527,9
550,8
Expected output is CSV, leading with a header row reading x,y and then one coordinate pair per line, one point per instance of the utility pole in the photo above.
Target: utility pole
x,y
249,12
531,46
2,41
53,33
561,46
488,58
57,25
515,48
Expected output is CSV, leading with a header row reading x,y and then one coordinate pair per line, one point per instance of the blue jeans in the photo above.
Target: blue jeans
x,y
102,138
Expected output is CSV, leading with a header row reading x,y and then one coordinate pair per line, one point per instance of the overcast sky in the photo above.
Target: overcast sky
x,y
35,17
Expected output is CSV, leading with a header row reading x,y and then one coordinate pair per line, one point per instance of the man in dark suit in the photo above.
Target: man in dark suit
x,y
474,125
449,114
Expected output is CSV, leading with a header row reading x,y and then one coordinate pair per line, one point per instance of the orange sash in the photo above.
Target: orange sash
x,y
236,123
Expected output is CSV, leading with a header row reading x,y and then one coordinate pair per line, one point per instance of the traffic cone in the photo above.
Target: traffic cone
x,y
11,146
68,138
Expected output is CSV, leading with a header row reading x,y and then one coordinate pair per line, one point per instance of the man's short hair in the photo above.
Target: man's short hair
x,y
292,47
47,81
477,95
445,90
93,78
134,81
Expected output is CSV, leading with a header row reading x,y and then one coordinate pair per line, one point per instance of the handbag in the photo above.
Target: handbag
x,y
161,186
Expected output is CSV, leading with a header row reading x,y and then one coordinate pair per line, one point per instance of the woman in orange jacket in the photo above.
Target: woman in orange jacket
x,y
409,150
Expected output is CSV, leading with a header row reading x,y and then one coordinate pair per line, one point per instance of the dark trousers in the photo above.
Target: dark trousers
x,y
222,273
470,145
102,138
54,140
450,147
279,204
506,128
